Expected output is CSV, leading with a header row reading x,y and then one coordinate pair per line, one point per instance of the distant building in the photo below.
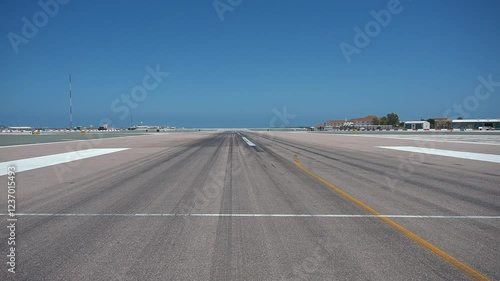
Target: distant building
x,y
442,122
333,124
417,125
365,123
25,128
476,124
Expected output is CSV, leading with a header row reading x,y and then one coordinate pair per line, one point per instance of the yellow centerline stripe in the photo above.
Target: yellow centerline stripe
x,y
417,239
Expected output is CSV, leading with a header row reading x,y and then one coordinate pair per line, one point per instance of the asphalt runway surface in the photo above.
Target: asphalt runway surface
x,y
295,206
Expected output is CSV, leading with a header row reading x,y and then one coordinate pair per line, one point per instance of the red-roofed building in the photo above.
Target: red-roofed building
x,y
362,122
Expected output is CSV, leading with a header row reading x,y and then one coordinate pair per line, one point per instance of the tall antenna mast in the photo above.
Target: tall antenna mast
x,y
70,105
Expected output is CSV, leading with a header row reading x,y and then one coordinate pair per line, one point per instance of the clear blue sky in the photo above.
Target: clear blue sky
x,y
263,55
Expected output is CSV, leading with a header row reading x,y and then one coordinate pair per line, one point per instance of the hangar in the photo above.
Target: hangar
x,y
476,124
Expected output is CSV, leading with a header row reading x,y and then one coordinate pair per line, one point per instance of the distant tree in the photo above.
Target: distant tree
x,y
375,121
433,123
383,120
459,118
393,119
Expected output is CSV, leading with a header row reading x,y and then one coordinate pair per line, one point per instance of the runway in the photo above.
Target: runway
x,y
242,205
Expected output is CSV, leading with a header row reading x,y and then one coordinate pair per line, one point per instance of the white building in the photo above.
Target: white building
x,y
417,125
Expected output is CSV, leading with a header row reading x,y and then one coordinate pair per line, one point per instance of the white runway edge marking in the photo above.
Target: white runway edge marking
x,y
248,141
56,142
259,215
49,160
449,153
